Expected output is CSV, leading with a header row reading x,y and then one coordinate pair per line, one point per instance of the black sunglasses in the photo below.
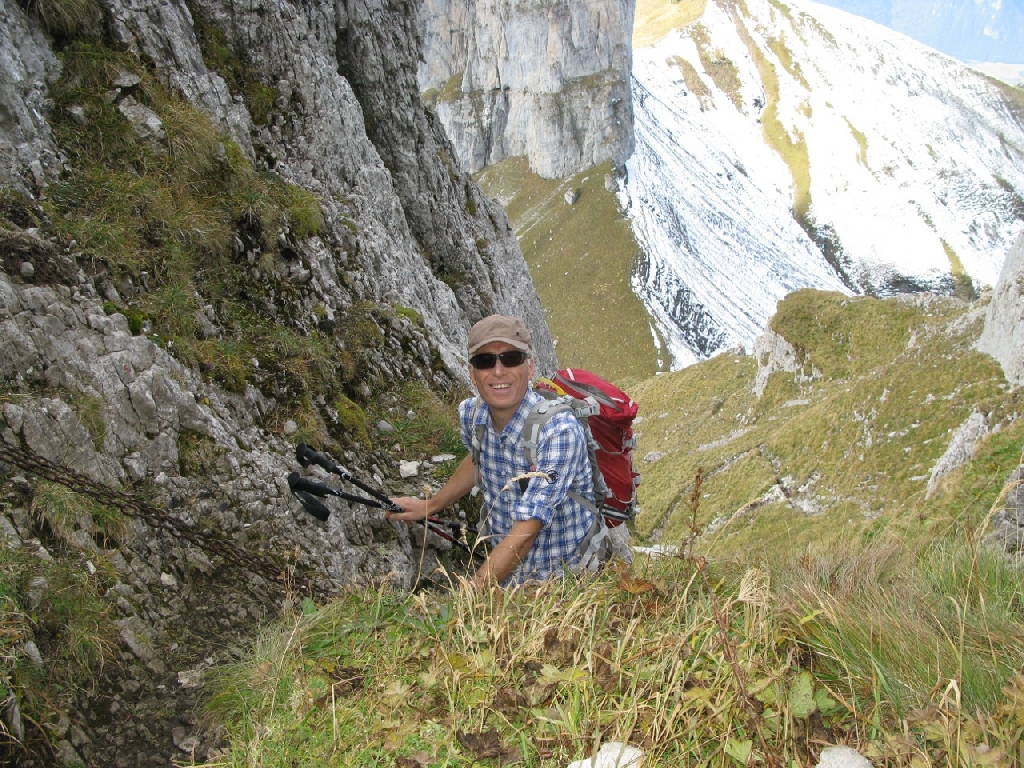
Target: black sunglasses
x,y
511,359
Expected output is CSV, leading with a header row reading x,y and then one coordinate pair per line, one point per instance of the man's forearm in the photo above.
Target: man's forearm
x,y
508,554
458,485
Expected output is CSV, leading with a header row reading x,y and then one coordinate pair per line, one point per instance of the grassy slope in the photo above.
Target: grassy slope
x,y
862,439
654,19
580,258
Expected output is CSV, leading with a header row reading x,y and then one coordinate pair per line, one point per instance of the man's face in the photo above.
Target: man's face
x,y
500,387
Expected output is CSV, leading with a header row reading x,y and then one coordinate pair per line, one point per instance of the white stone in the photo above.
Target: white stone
x,y
614,754
190,678
409,468
842,757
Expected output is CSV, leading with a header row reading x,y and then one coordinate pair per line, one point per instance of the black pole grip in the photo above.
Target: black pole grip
x,y
306,456
299,483
313,506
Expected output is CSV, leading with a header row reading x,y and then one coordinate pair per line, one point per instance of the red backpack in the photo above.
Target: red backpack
x,y
606,413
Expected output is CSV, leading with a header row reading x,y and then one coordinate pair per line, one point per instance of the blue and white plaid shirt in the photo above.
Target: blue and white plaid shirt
x,y
562,454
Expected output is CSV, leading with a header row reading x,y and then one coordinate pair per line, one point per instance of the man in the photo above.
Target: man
x,y
535,526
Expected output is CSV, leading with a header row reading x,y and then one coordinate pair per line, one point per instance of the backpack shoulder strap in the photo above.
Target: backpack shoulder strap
x,y
538,416
542,413
476,437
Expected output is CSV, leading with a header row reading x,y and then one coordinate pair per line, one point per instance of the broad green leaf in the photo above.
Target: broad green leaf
x,y
701,694
801,695
825,703
484,659
739,750
766,695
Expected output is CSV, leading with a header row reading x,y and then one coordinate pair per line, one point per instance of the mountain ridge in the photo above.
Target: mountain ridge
x,y
979,31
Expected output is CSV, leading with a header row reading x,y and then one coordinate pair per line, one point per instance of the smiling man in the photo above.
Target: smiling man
x,y
536,526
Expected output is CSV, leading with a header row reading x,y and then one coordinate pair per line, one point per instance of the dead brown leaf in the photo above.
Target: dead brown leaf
x,y
633,585
560,649
606,674
483,745
509,700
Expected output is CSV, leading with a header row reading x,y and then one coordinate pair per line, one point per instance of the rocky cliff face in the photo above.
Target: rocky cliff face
x,y
405,237
1003,337
346,123
204,457
546,80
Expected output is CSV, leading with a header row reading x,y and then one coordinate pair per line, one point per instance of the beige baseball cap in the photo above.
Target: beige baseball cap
x,y
509,330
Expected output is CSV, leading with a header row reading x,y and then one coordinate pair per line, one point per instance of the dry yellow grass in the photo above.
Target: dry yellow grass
x,y
656,18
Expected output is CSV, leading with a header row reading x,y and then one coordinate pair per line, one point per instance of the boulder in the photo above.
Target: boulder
x,y
1003,336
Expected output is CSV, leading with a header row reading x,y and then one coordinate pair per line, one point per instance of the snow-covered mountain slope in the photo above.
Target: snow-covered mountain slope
x,y
781,146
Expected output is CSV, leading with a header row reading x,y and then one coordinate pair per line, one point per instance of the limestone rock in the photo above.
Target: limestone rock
x,y
348,125
547,81
774,353
1007,527
960,449
842,757
26,65
1003,336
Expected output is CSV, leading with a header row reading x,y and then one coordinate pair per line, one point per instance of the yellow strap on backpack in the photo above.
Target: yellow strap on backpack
x,y
549,384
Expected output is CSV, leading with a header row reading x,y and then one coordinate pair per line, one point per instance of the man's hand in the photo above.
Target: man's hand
x,y
458,485
413,508
509,553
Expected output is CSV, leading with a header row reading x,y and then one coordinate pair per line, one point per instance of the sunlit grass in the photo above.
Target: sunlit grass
x,y
860,439
690,665
653,19
580,257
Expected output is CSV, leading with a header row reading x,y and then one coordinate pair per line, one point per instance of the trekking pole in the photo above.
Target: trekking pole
x,y
306,491
306,456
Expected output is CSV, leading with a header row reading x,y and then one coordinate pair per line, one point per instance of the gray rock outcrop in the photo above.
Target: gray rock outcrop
x,y
27,64
120,410
774,353
960,449
1003,336
1007,528
401,219
547,81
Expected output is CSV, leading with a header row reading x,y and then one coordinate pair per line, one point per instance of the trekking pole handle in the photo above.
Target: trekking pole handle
x,y
306,456
297,482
